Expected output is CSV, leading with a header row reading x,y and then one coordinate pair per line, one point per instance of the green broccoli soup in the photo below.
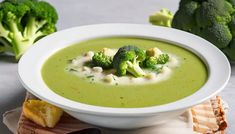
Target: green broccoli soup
x,y
125,72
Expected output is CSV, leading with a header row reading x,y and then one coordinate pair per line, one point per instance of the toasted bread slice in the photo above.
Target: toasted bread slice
x,y
42,113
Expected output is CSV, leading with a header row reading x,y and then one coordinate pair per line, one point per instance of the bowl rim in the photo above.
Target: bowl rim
x,y
214,59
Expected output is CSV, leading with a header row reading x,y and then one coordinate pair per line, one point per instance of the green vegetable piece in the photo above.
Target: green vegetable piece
x,y
150,62
184,18
23,22
214,20
163,59
218,34
127,59
162,18
153,62
102,60
230,50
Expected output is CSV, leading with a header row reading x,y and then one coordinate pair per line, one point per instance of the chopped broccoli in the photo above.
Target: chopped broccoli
x,y
163,59
23,22
162,18
102,60
152,62
127,59
213,20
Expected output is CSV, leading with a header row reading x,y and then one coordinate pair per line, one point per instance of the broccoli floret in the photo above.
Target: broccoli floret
x,y
163,59
102,60
214,20
184,18
230,50
218,34
162,18
152,62
127,59
23,22
213,11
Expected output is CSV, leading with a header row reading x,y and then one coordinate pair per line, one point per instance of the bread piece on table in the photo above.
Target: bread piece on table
x,y
42,113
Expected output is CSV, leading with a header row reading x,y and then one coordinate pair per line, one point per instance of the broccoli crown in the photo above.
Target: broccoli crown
x,y
127,59
23,22
102,60
139,53
213,20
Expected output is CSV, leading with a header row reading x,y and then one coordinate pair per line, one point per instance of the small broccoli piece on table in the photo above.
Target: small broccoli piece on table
x,y
127,59
162,18
102,60
23,22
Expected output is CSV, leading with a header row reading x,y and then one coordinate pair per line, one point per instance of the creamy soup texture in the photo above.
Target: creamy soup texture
x,y
185,77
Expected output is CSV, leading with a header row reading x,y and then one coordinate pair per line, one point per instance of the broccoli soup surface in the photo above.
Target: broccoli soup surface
x,y
94,72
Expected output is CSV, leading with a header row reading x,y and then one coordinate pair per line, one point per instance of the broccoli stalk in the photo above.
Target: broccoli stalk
x,y
127,59
134,68
23,22
4,46
21,41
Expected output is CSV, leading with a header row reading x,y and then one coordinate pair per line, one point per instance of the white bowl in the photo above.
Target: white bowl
x,y
123,118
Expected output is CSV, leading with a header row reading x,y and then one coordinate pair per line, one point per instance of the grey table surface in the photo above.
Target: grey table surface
x,y
83,12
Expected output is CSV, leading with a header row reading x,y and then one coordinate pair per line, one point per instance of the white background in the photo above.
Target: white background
x,y
83,12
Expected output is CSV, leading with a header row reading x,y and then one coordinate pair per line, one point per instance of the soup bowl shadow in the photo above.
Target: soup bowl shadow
x,y
30,65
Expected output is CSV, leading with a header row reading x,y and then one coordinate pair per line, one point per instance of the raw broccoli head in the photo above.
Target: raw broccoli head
x,y
127,59
184,18
102,60
214,20
23,22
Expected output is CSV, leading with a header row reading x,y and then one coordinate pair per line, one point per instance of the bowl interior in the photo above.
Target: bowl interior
x,y
30,68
